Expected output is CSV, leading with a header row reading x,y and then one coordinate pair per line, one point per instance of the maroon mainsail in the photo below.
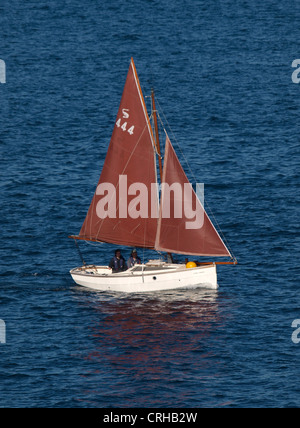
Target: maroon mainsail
x,y
130,154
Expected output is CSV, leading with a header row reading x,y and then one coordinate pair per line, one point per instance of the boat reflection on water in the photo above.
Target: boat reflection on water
x,y
149,346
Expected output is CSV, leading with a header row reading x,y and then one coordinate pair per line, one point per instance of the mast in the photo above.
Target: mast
x,y
154,111
156,134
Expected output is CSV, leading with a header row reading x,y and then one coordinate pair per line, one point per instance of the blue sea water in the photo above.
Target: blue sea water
x,y
222,75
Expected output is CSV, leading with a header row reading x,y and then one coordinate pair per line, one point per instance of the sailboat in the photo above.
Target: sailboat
x,y
129,208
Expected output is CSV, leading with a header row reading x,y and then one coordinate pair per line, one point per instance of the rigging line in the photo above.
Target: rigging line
x,y
155,148
100,221
191,172
161,255
175,139
94,244
143,265
145,228
79,252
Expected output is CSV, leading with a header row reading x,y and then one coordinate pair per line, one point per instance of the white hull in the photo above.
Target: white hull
x,y
145,278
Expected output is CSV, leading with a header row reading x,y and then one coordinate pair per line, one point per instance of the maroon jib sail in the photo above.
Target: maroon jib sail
x,y
189,230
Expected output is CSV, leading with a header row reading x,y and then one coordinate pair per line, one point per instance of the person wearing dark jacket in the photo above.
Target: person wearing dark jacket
x,y
133,259
118,263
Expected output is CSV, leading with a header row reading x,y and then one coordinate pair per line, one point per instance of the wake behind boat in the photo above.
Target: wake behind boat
x,y
127,208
